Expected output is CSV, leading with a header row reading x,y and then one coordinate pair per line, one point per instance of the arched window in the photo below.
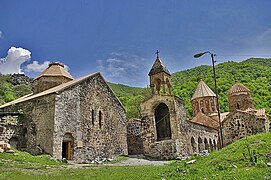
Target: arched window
x,y
206,146
193,145
162,121
158,85
100,119
237,106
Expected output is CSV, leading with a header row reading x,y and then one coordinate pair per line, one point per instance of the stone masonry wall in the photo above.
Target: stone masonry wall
x,y
9,130
134,138
200,134
240,124
92,114
35,131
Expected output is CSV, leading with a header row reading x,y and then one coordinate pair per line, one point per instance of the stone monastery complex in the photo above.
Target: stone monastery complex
x,y
82,119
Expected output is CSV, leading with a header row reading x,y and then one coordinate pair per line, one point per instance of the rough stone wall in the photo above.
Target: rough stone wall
x,y
240,124
243,99
165,148
134,138
101,134
35,133
9,130
200,134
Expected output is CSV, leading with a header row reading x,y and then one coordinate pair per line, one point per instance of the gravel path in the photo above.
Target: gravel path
x,y
140,162
132,161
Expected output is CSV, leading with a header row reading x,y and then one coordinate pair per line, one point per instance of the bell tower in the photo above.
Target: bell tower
x,y
160,78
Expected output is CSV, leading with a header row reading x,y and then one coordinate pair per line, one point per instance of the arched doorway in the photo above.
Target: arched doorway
x,y
162,121
13,142
215,145
24,138
211,144
67,146
200,145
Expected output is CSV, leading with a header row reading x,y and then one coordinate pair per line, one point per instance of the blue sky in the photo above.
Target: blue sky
x,y
119,37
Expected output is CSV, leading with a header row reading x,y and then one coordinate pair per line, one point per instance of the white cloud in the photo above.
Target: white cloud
x,y
125,68
1,33
12,62
36,67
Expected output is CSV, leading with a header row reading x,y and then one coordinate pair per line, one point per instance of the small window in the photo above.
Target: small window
x,y
92,117
237,106
100,119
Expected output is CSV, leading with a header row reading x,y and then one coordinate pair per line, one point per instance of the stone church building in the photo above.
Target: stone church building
x,y
165,132
78,119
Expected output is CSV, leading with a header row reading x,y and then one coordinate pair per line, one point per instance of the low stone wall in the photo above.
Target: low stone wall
x,y
9,131
134,139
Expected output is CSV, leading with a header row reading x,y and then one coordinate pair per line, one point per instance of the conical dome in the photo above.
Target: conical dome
x,y
53,76
55,69
238,87
203,90
158,67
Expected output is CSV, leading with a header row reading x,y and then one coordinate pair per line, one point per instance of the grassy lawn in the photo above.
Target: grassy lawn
x,y
232,162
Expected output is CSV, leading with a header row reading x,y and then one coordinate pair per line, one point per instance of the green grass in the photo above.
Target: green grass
x,y
232,162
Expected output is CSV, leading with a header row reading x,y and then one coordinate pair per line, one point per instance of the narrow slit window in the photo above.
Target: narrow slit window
x,y
100,119
92,117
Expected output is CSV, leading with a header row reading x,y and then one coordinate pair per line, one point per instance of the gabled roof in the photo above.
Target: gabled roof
x,y
158,67
205,120
57,89
55,69
238,87
203,90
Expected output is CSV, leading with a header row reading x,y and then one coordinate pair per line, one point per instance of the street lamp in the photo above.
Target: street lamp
x,y
216,93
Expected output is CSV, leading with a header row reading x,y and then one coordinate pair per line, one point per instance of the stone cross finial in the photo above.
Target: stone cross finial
x,y
157,53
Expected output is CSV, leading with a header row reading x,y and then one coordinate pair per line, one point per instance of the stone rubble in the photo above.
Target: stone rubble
x,y
5,147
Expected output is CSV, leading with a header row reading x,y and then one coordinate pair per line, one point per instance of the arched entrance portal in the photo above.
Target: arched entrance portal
x,y
162,121
67,146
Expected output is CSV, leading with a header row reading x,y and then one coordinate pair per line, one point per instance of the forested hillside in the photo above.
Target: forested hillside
x,y
14,86
254,73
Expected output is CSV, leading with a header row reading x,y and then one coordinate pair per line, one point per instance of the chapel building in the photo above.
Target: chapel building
x,y
77,119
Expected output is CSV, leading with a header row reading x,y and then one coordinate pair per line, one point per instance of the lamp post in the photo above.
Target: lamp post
x,y
216,93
